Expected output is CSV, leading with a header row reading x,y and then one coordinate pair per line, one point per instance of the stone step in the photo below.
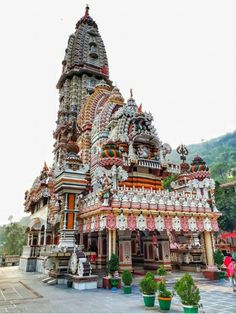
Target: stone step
x,y
45,280
52,282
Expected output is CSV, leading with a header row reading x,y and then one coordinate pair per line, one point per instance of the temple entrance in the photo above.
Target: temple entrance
x,y
187,250
150,249
140,251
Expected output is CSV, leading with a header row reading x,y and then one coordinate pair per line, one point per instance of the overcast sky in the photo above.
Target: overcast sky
x,y
179,57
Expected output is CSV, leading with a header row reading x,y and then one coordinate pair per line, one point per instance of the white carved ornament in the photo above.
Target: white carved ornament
x,y
159,223
176,223
102,222
141,222
73,263
207,224
192,224
93,223
121,222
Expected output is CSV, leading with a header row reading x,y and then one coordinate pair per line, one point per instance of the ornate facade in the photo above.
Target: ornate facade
x,y
104,190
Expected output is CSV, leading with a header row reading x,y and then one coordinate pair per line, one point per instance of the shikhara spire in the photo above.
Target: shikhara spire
x,y
85,65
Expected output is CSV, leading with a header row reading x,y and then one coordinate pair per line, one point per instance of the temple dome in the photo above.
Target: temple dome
x,y
199,169
110,155
198,164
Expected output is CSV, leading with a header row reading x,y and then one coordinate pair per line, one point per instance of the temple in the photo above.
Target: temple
x,y
104,191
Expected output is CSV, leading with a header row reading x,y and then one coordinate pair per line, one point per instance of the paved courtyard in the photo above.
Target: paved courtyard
x,y
25,293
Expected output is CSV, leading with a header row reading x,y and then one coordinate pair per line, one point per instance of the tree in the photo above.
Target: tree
x,y
226,203
166,183
2,239
218,258
14,239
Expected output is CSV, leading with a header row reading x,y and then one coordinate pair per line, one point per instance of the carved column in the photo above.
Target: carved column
x,y
209,250
114,241
45,235
109,243
102,250
125,254
39,237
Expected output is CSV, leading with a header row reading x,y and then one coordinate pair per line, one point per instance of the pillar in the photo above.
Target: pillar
x,y
109,243
209,250
28,240
81,238
45,237
89,240
114,242
125,254
102,253
39,237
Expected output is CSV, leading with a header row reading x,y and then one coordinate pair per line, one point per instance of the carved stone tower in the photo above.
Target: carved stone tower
x,y
84,66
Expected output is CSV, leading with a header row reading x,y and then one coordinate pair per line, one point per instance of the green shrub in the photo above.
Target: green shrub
x,y
187,290
163,291
218,258
127,277
161,271
148,284
113,264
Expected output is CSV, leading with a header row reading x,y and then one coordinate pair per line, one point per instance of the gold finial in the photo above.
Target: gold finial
x,y
87,10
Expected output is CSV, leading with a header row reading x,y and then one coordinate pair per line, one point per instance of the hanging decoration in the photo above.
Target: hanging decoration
x,y
132,222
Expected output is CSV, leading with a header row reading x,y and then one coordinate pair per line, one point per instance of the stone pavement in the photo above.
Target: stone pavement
x,y
25,293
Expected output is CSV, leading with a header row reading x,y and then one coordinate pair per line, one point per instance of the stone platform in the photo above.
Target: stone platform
x,y
35,297
83,283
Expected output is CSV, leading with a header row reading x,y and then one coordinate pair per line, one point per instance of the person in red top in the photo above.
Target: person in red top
x,y
231,274
227,261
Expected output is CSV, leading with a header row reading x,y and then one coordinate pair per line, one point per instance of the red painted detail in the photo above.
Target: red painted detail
x,y
132,222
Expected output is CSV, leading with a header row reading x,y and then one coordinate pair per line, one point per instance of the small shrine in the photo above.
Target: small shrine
x,y
103,192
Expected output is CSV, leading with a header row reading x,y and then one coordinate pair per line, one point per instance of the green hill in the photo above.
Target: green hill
x,y
219,153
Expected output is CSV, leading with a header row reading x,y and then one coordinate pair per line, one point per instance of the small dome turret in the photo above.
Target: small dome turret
x,y
198,164
110,155
199,169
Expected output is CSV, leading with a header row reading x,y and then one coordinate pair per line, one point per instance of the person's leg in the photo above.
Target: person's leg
x,y
234,283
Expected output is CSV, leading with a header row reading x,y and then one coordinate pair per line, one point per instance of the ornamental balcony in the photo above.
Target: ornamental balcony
x,y
147,199
149,163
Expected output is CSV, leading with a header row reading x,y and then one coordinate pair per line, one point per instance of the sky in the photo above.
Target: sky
x,y
178,56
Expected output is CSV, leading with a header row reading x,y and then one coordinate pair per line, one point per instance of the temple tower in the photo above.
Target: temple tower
x,y
83,67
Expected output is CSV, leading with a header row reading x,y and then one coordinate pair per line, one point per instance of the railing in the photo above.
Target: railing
x,y
149,163
31,251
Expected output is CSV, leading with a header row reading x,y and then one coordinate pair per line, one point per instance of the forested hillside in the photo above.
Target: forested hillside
x,y
219,153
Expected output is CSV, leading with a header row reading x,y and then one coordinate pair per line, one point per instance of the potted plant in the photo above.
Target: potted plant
x,y
164,296
148,287
188,292
113,266
161,272
219,259
127,279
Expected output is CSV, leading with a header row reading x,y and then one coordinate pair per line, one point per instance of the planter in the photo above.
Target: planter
x,y
164,303
190,308
106,283
149,300
114,282
211,274
221,275
127,289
